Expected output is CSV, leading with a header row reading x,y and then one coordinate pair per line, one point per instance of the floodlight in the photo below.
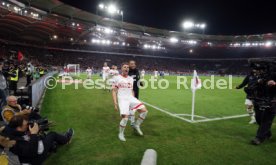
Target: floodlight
x,y
268,44
173,40
112,9
202,26
188,24
101,6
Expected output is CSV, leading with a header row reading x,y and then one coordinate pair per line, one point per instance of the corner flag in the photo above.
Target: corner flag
x,y
195,84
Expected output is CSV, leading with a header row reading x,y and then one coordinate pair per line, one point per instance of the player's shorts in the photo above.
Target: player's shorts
x,y
129,104
104,77
142,75
248,102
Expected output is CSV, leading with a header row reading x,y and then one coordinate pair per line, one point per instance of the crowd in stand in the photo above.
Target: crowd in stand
x,y
60,58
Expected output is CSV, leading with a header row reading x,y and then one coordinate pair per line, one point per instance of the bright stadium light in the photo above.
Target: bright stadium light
x,y
111,9
188,25
202,26
55,36
101,6
268,44
108,31
173,40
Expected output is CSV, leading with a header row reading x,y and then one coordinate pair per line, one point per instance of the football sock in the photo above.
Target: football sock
x,y
123,124
132,117
141,118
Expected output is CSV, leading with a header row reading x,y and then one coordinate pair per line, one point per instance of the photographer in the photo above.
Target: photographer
x,y
265,116
14,109
264,97
30,147
249,81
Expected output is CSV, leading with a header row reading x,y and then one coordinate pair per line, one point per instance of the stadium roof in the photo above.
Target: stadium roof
x,y
56,10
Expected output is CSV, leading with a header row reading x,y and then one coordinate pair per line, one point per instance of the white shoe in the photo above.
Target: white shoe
x,y
122,137
137,128
252,121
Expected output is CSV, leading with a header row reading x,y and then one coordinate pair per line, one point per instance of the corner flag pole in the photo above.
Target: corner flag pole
x,y
193,104
195,84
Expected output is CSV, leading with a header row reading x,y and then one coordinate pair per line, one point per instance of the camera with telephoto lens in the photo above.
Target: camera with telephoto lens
x,y
33,109
43,124
264,70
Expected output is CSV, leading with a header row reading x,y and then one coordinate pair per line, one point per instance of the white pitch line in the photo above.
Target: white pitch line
x,y
221,118
195,121
168,113
191,115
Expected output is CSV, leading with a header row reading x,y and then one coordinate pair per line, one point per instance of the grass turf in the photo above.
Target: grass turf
x,y
91,114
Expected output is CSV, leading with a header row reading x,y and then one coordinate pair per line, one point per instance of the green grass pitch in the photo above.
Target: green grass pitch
x,y
91,114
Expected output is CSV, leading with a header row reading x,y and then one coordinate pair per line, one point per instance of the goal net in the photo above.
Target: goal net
x,y
73,69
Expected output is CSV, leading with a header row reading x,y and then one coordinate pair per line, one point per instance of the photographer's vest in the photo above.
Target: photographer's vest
x,y
41,71
16,77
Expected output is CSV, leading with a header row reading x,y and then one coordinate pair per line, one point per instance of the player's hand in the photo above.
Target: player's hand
x,y
34,130
271,83
116,107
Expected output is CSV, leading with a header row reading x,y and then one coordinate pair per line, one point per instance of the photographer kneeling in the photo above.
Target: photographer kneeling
x,y
14,109
30,147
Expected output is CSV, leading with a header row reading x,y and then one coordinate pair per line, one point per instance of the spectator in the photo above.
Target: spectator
x,y
3,85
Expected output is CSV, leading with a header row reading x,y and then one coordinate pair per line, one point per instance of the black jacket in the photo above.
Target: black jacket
x,y
25,149
249,80
134,73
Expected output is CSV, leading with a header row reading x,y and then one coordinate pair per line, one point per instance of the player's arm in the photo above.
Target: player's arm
x,y
114,96
244,83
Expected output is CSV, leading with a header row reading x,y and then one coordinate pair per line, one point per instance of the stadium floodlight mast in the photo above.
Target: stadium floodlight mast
x,y
111,9
190,25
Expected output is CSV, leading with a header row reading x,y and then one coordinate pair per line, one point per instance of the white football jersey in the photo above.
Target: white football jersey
x,y
155,73
89,71
106,70
124,85
143,72
113,73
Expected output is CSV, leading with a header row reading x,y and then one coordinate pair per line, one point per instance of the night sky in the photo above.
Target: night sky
x,y
224,17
